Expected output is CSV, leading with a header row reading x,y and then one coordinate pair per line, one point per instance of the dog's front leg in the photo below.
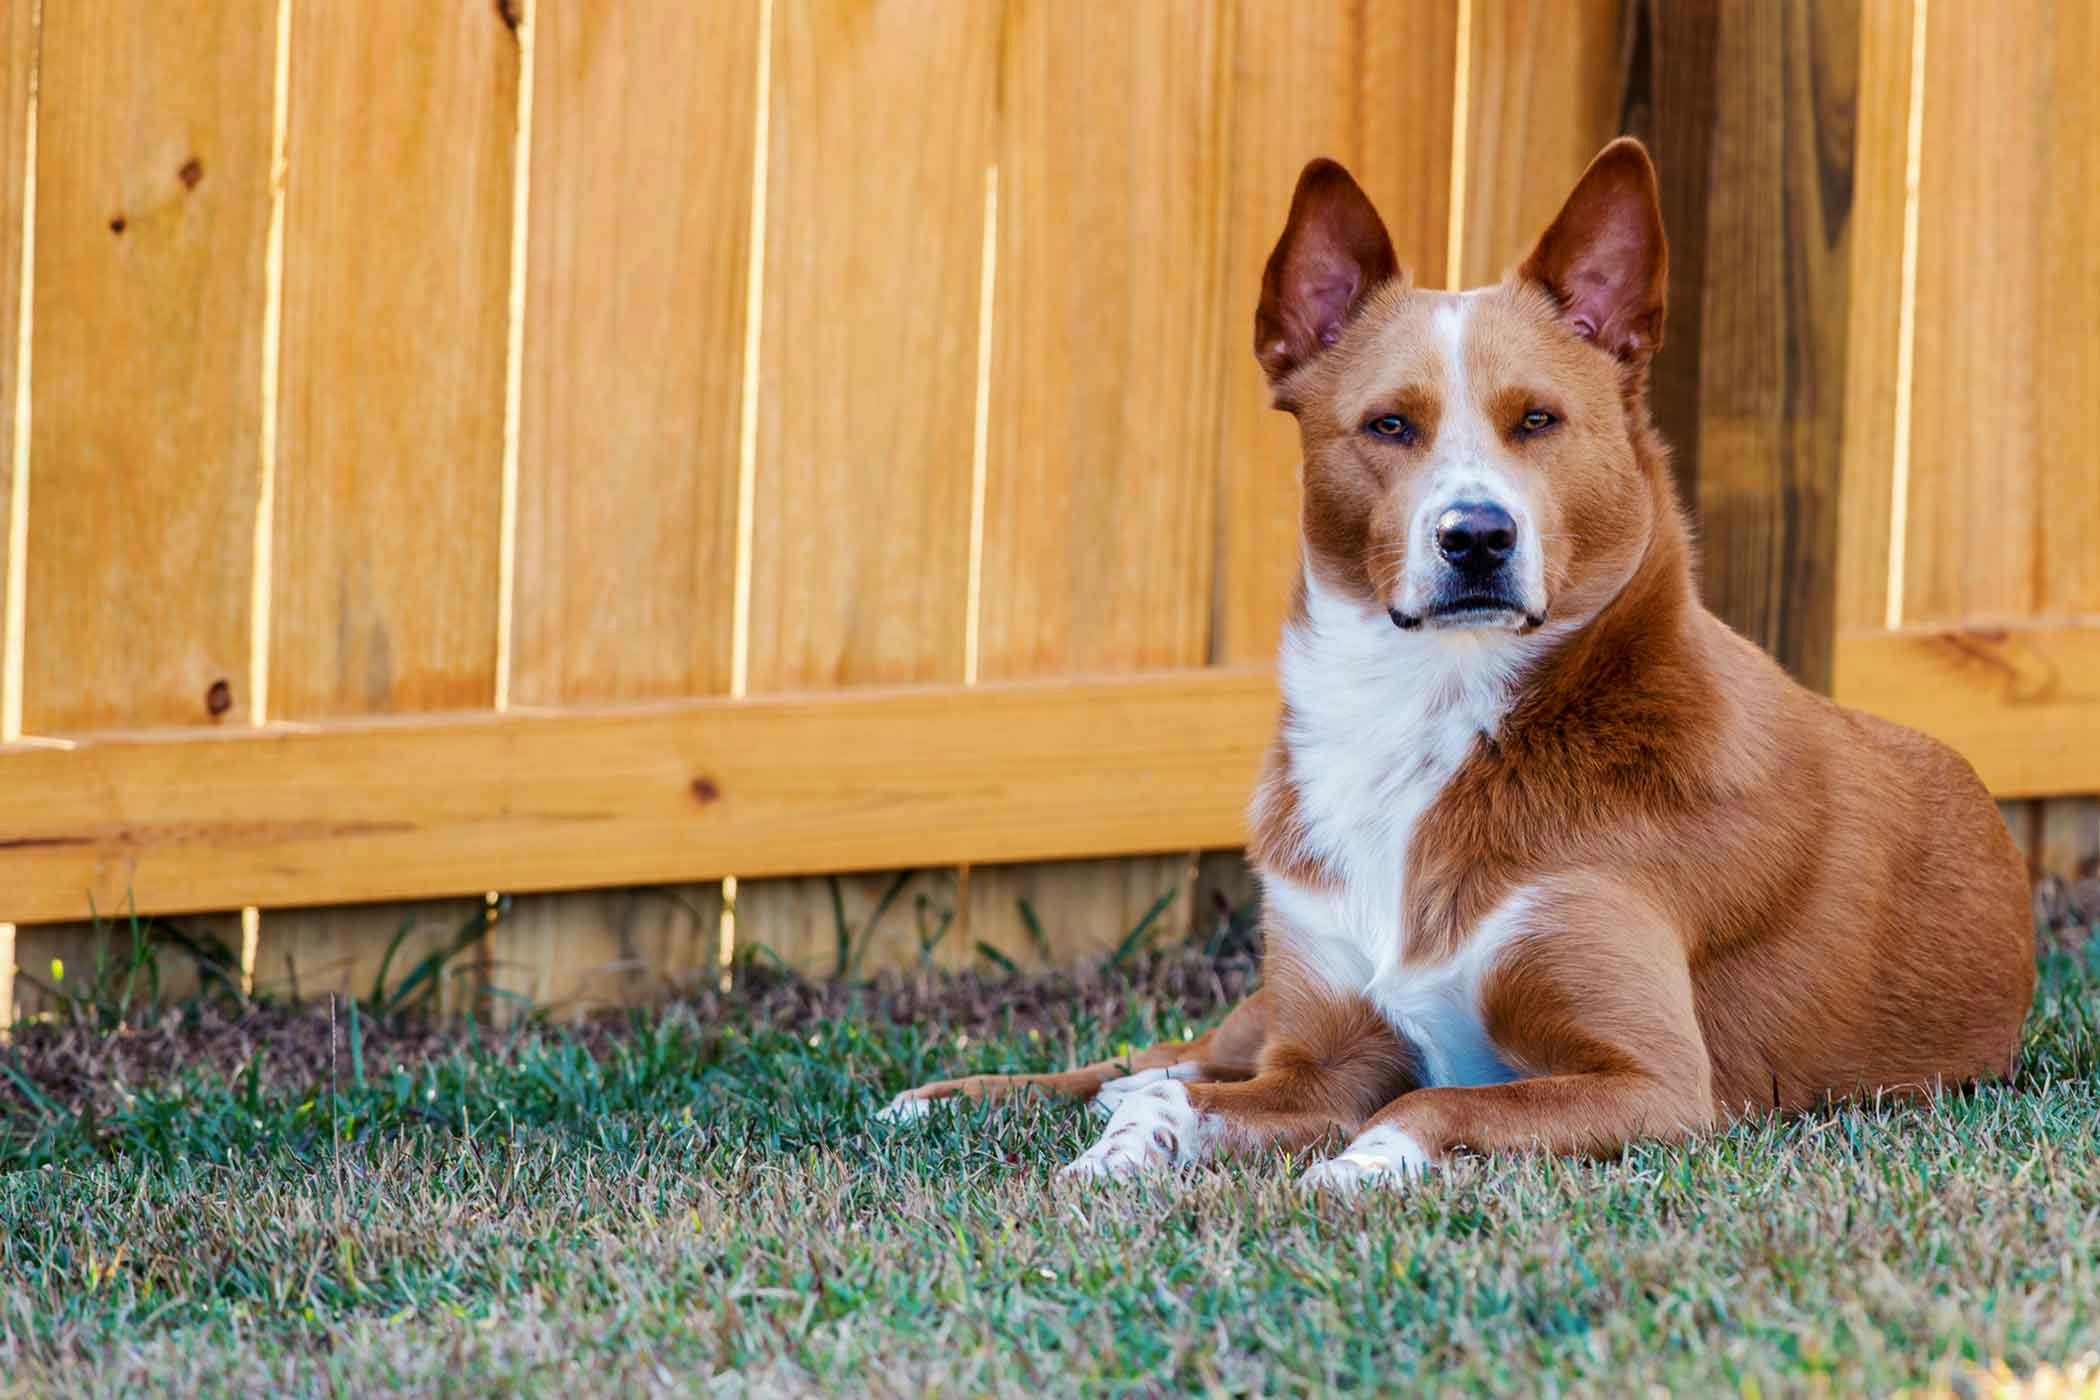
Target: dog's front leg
x,y
1226,1051
1328,1064
1596,1012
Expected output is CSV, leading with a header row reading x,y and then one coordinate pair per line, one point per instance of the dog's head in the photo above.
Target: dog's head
x,y
1469,457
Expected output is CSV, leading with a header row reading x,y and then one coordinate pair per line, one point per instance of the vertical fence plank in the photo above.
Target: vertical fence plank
x,y
152,203
1874,334
1078,909
2067,345
1672,47
1101,492
2002,487
633,376
1105,383
868,378
2067,364
1543,99
869,371
17,66
577,953
390,462
397,265
1982,371
861,922
342,949
2069,847
1749,109
18,42
1306,81
2004,484
634,334
59,962
1773,324
18,46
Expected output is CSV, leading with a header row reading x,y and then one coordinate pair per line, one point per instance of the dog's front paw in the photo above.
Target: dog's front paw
x,y
1383,1157
1154,1128
908,1107
1116,1092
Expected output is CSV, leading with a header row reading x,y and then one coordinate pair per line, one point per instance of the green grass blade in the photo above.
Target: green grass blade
x,y
1141,932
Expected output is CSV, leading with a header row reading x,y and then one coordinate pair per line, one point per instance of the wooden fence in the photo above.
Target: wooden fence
x,y
541,445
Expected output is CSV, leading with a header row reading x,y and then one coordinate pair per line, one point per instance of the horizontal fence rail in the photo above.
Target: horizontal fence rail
x,y
434,805
864,780
2021,702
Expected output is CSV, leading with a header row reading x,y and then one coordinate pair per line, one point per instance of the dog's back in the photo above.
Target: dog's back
x,y
1893,945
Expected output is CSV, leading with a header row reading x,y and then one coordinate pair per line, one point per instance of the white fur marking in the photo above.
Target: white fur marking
x,y
1380,1156
1115,1091
1379,721
1154,1129
1451,335
1463,467
907,1107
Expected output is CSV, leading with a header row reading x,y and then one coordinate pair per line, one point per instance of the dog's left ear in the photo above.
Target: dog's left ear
x,y
1604,259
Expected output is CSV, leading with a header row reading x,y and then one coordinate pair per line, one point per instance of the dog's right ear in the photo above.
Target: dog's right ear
x,y
1333,252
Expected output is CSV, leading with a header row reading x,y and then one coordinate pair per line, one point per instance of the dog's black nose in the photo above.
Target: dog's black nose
x,y
1475,537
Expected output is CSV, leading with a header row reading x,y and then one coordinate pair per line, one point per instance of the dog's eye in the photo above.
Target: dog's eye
x,y
1536,420
1392,427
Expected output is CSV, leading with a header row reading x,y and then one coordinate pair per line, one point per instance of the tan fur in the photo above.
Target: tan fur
x,y
1747,898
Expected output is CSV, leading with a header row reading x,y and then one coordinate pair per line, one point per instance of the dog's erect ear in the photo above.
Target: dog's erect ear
x,y
1604,259
1334,250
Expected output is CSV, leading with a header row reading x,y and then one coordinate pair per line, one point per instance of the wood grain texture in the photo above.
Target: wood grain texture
x,y
1084,908
2068,843
18,53
1543,100
1100,509
18,44
2020,820
1105,385
882,126
1873,336
397,271
1749,110
1307,81
2021,703
77,946
577,953
643,120
1773,323
2059,837
342,949
909,919
422,806
2004,481
883,121
634,340
2005,309
2067,350
153,198
1671,49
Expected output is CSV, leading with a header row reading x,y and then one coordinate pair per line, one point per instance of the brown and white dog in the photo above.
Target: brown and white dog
x,y
1552,859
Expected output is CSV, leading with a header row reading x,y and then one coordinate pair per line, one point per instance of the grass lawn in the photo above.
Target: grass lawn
x,y
687,1202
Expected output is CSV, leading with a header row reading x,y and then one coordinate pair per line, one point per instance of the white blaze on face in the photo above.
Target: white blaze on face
x,y
1464,466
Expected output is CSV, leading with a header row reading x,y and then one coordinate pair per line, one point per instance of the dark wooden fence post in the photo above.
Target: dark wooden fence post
x,y
1748,107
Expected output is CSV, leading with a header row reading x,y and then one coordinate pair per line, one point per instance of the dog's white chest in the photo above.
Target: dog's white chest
x,y
1379,724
